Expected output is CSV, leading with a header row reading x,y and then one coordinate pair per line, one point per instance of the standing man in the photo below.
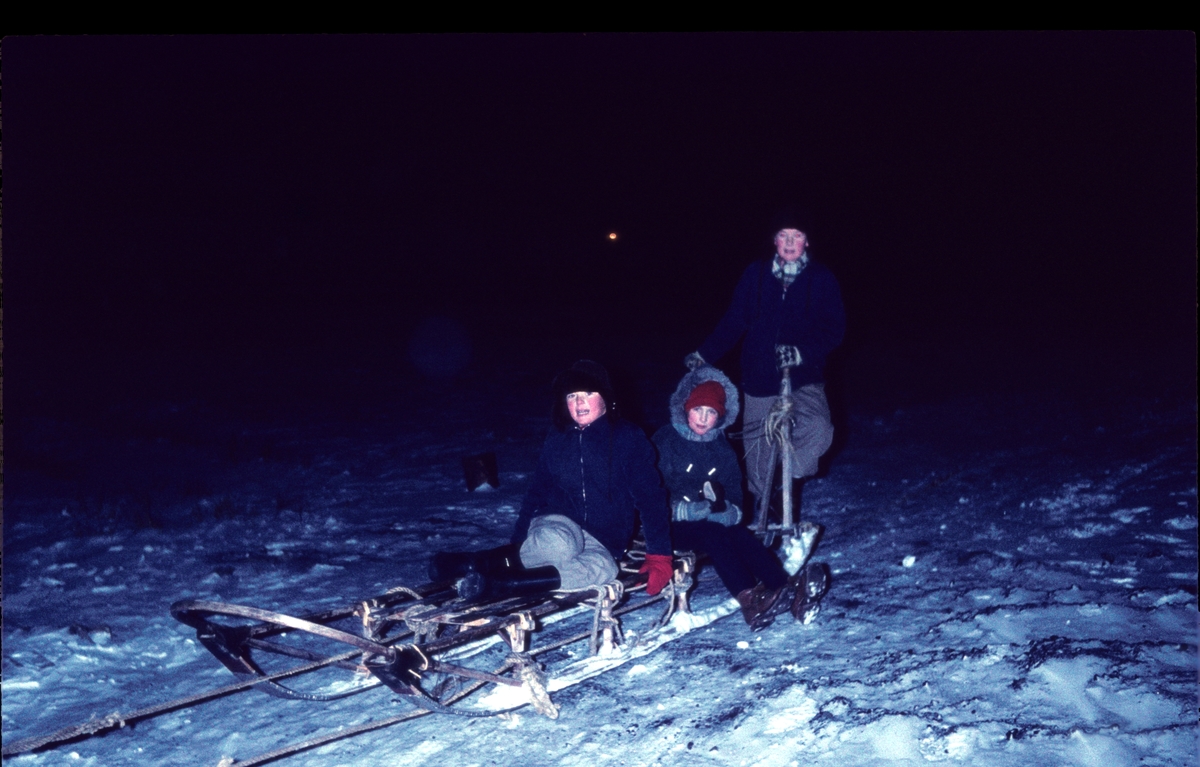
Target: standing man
x,y
788,313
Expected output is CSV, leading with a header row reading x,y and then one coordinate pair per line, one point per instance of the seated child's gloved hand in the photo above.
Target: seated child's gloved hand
x,y
714,492
659,568
730,517
691,511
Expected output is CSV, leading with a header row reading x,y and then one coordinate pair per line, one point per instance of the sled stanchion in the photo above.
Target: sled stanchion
x,y
785,448
606,629
675,593
517,634
533,679
764,502
683,584
778,434
669,599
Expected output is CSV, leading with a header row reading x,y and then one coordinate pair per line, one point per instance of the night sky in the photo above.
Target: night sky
x,y
211,199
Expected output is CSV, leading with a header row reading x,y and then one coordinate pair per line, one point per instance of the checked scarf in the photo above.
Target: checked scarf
x,y
787,273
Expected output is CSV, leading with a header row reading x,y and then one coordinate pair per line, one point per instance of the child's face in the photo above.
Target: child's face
x,y
585,407
701,419
789,244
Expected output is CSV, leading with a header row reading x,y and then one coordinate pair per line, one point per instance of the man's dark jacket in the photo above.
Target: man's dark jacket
x,y
808,315
602,477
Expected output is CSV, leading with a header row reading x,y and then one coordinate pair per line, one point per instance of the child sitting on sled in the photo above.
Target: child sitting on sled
x,y
704,480
596,476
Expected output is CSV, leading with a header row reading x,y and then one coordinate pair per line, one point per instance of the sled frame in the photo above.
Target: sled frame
x,y
402,633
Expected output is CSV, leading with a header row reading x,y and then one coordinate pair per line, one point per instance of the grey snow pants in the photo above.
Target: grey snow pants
x,y
812,434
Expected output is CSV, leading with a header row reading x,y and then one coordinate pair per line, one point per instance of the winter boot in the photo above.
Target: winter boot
x,y
448,565
502,584
810,584
760,605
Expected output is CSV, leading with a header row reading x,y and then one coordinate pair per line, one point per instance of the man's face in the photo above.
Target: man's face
x,y
701,419
789,244
585,407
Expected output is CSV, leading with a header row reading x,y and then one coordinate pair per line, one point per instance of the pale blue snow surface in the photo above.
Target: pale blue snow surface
x,y
1048,616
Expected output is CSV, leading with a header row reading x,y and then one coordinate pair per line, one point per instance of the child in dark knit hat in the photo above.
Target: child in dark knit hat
x,y
594,482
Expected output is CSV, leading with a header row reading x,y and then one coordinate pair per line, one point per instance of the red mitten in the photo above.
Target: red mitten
x,y
659,568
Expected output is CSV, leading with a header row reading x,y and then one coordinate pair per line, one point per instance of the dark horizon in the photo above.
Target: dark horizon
x,y
246,197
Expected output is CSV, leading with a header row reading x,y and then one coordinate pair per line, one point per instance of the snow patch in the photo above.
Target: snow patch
x,y
1178,597
798,548
1160,538
1066,681
683,622
1093,750
895,738
321,567
1128,515
791,718
960,743
1092,529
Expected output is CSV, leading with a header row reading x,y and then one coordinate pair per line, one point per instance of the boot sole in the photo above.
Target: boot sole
x,y
767,617
814,584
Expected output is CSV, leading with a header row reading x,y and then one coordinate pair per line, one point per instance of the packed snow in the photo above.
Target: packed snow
x,y
1013,583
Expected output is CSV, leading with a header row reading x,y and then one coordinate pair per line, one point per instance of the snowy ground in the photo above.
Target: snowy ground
x,y
1014,583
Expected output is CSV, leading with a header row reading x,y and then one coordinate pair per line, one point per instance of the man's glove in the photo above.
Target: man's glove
x,y
691,511
730,517
787,356
694,361
714,492
659,568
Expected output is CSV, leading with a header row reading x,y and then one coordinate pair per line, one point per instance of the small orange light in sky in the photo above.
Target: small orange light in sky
x,y
612,235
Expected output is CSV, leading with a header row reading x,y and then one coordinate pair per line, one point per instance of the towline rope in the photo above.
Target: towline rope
x,y
117,720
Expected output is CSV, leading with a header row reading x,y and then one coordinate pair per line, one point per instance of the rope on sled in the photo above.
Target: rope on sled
x,y
779,417
634,558
775,428
403,590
